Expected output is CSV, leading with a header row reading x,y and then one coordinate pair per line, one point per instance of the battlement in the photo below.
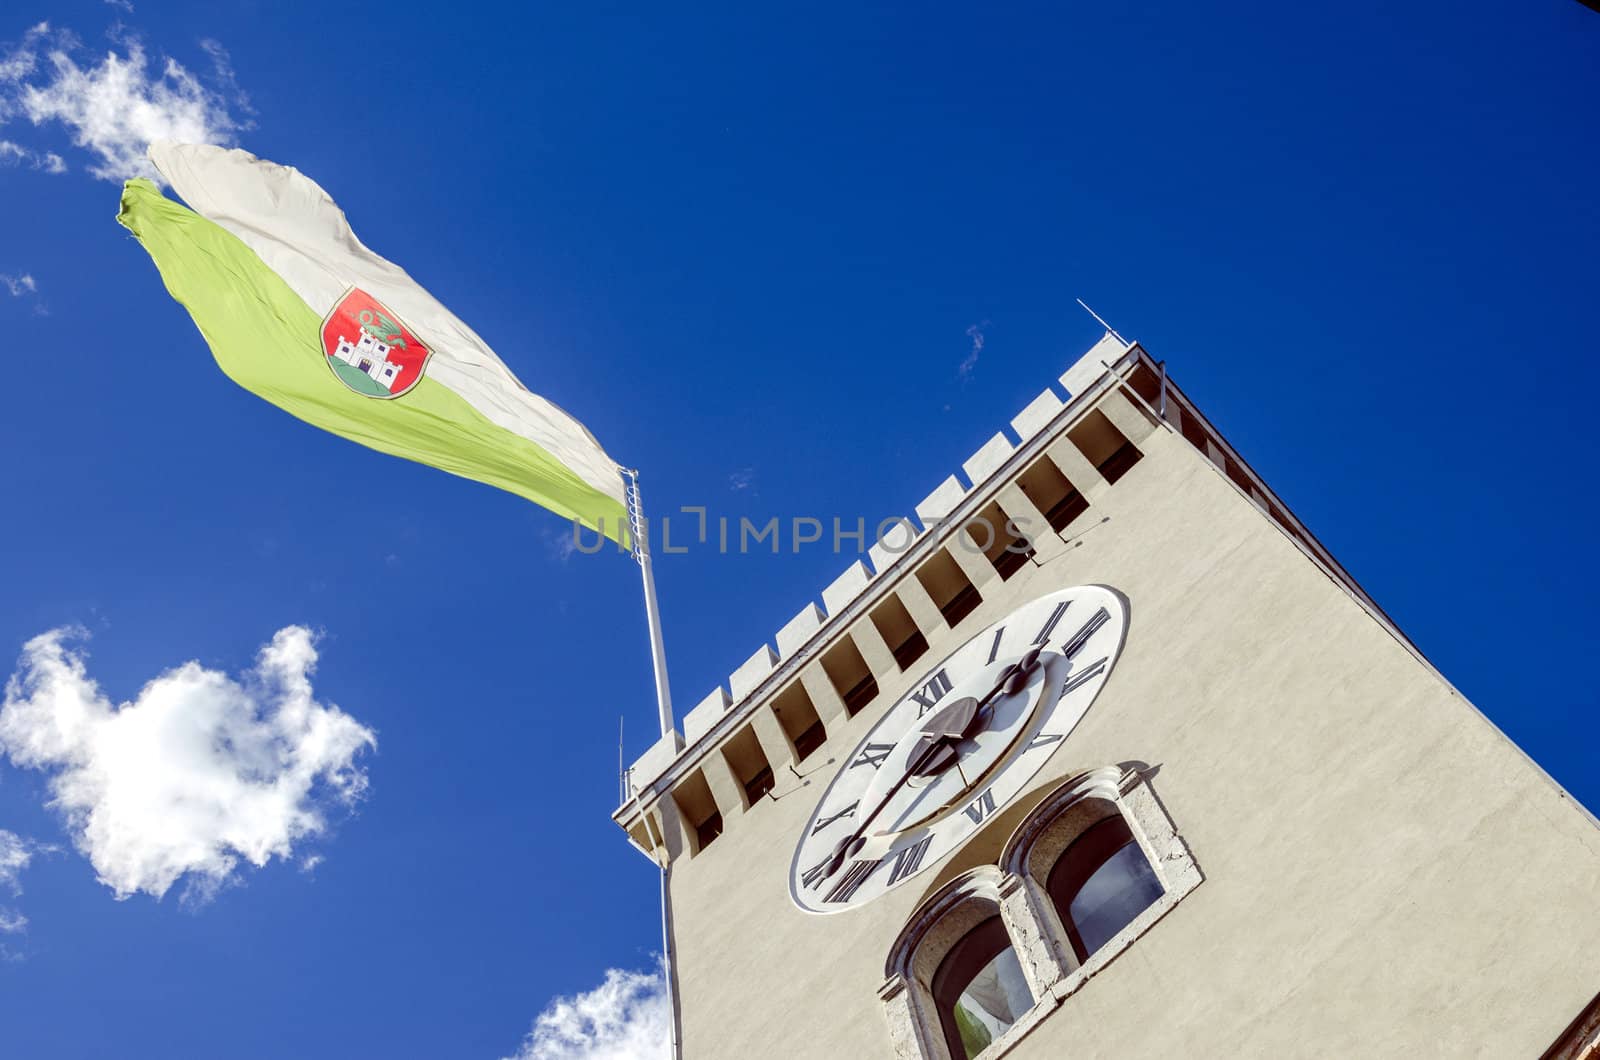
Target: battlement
x,y
1026,495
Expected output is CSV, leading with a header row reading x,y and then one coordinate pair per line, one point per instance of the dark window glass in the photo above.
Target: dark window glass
x,y
1100,884
979,990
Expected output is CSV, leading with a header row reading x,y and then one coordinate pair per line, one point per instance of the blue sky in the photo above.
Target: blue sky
x,y
754,249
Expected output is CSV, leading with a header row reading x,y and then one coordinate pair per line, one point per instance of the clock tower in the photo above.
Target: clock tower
x,y
1100,752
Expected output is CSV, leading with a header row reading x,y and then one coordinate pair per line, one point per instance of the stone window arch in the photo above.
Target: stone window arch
x,y
955,983
991,953
1099,862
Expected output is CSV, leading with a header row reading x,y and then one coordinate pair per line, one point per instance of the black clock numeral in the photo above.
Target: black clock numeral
x,y
1043,739
848,811
851,881
1050,624
981,807
816,873
930,694
1084,676
994,645
1073,646
909,860
873,755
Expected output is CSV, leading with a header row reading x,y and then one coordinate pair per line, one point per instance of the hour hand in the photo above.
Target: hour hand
x,y
955,722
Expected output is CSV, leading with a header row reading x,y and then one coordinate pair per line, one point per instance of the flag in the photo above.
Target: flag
x,y
299,312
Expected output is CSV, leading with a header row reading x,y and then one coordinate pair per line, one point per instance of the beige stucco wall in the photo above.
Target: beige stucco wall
x,y
1385,874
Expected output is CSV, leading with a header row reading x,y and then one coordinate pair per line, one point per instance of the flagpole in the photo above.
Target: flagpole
x,y
639,531
641,554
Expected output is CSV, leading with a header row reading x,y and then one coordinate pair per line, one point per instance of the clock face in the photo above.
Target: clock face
x,y
962,744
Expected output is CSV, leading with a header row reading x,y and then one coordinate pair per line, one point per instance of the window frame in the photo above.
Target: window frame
x,y
1082,861
1016,888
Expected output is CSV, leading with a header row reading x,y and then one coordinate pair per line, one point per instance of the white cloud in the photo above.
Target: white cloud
x,y
197,772
742,479
116,106
14,154
18,286
15,853
626,1017
975,333
21,59
562,544
121,5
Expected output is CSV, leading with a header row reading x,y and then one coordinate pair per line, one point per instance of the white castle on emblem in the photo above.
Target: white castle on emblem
x,y
370,356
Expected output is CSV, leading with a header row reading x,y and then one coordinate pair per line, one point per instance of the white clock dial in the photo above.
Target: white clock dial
x,y
964,742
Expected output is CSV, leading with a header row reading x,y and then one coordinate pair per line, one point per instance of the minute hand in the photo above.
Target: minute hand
x,y
1011,681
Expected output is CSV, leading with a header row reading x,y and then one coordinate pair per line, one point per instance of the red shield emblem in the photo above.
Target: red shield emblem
x,y
369,349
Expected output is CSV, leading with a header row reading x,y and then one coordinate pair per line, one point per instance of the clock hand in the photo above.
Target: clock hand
x,y
963,720
1012,680
854,841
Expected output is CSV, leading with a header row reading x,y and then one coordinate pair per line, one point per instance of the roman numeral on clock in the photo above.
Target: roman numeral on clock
x,y
1084,676
1073,646
994,645
981,807
814,875
848,811
929,694
873,755
1050,624
852,880
1043,739
909,860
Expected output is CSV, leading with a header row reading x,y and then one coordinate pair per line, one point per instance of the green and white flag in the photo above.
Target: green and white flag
x,y
299,312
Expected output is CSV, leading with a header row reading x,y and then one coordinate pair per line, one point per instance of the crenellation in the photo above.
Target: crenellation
x,y
1083,374
705,714
941,502
800,629
654,762
892,544
1037,414
988,459
846,587
843,629
752,672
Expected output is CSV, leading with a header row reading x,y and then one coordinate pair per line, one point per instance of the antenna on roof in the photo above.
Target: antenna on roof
x,y
1111,330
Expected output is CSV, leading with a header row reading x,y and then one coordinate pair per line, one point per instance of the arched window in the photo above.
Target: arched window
x,y
955,985
1094,864
979,990
1101,882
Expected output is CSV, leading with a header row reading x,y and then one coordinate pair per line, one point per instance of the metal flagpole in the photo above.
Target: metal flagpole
x,y
652,614
658,656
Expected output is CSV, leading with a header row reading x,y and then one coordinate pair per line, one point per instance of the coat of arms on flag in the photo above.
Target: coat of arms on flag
x,y
369,349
